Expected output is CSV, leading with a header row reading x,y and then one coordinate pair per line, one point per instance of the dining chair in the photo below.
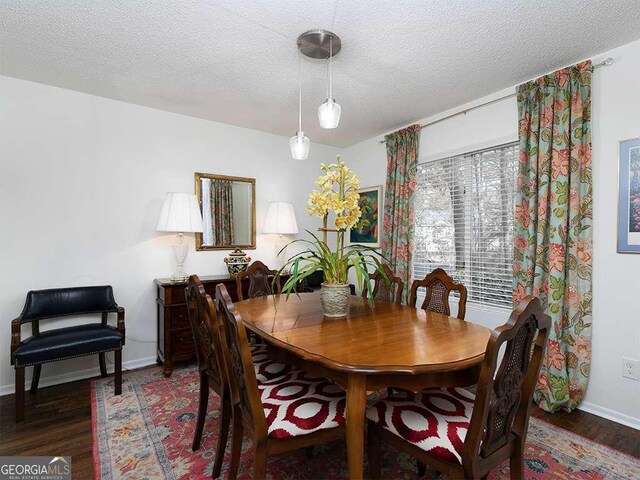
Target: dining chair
x,y
463,435
286,414
260,277
438,285
387,289
212,371
205,327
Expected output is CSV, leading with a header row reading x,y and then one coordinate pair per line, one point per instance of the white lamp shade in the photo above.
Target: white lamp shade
x,y
180,213
299,146
280,219
329,114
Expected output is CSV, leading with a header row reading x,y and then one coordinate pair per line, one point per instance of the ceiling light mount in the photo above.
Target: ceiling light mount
x,y
319,43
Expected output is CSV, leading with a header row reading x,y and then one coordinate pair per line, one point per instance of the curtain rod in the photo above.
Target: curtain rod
x,y
605,63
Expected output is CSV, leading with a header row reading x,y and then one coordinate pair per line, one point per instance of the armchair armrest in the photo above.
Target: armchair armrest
x,y
15,335
120,324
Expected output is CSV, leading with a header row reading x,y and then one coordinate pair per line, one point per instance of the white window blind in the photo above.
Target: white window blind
x,y
464,221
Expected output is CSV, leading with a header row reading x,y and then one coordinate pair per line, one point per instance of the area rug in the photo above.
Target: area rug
x,y
146,433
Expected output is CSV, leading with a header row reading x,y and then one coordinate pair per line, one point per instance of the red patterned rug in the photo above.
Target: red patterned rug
x,y
146,433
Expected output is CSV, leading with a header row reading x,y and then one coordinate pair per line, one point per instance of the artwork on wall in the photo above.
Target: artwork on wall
x,y
629,196
369,228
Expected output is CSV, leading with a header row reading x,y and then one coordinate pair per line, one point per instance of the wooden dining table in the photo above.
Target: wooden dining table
x,y
386,345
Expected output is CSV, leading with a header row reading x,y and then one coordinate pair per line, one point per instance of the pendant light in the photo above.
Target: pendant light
x,y
299,143
329,111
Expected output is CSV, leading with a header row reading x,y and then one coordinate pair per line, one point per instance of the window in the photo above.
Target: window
x,y
464,221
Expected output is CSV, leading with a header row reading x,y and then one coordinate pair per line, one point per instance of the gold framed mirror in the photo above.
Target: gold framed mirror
x,y
228,206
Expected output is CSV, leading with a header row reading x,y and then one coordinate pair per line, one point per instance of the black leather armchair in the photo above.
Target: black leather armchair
x,y
67,342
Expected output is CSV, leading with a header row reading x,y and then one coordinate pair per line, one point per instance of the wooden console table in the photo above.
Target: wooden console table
x,y
175,339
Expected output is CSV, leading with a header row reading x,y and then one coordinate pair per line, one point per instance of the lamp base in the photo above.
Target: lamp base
x,y
179,278
180,251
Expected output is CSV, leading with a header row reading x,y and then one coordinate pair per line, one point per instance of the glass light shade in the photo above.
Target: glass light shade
x,y
280,219
329,114
299,146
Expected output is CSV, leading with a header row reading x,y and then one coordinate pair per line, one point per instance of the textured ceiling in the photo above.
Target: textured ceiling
x,y
236,61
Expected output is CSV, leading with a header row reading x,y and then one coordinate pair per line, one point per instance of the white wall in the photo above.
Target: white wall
x,y
616,308
82,180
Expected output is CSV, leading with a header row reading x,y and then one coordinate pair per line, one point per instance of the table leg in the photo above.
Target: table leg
x,y
356,403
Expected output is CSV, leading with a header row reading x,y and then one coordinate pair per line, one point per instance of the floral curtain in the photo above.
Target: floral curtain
x,y
553,225
397,224
222,212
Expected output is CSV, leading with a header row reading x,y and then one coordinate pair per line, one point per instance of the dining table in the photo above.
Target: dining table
x,y
376,346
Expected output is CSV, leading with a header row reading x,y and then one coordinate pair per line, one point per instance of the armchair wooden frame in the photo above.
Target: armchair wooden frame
x,y
248,412
260,284
500,418
387,287
438,285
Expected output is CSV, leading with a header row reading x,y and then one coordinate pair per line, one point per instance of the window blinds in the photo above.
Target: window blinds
x,y
464,221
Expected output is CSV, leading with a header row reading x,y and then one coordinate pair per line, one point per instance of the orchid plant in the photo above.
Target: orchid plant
x,y
336,196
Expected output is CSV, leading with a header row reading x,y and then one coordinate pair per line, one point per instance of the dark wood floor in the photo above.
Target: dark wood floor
x,y
58,422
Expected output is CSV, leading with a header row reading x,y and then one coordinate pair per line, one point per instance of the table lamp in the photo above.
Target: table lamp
x,y
180,213
280,220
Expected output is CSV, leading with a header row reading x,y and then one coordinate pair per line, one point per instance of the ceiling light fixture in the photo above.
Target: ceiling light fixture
x,y
318,44
299,143
329,111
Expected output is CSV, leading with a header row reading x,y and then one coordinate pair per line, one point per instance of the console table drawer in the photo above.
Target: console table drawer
x,y
179,317
182,341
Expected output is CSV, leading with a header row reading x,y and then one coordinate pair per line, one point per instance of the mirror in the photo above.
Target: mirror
x,y
228,206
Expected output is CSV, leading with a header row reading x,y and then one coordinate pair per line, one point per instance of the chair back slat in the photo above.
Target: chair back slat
x,y
505,390
438,286
205,327
260,277
240,369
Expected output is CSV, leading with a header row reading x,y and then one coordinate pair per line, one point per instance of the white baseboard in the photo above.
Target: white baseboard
x,y
609,414
79,375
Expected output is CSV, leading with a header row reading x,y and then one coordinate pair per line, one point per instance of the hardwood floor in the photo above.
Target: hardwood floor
x,y
58,422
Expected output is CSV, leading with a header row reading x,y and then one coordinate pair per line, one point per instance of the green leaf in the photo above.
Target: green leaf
x,y
559,212
560,386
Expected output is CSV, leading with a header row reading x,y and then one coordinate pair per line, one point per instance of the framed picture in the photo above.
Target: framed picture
x,y
369,228
629,196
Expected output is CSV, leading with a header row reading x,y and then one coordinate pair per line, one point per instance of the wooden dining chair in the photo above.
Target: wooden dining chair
x,y
260,280
206,329
387,289
438,285
286,414
463,435
212,371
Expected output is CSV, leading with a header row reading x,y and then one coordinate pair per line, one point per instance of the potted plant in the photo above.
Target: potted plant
x,y
337,195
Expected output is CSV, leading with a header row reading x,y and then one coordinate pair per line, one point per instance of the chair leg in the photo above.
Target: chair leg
x,y
236,444
118,374
422,468
260,467
103,364
373,451
310,451
224,431
36,378
516,462
19,394
202,410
